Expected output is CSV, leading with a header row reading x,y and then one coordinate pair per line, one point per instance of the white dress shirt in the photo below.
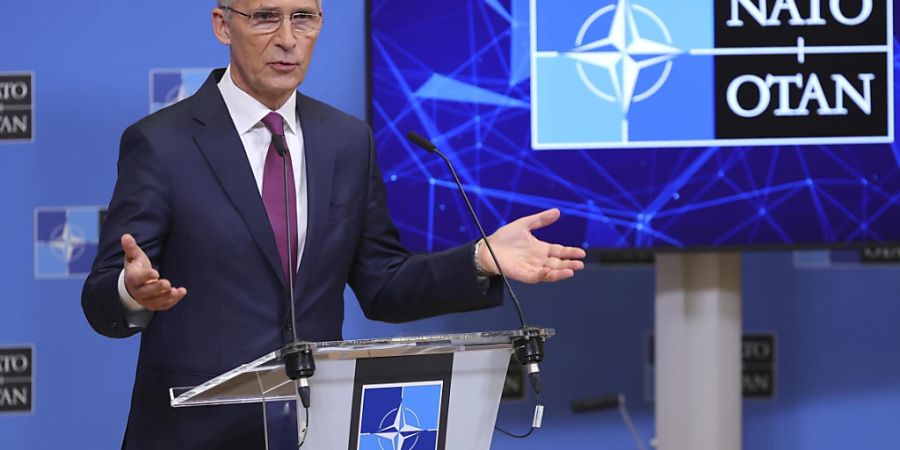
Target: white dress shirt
x,y
247,114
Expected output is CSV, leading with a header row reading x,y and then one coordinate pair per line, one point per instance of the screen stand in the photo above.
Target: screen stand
x,y
698,351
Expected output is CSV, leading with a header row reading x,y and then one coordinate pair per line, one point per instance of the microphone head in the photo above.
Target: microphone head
x,y
415,138
278,142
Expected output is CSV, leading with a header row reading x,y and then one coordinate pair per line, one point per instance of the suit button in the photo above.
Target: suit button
x,y
113,324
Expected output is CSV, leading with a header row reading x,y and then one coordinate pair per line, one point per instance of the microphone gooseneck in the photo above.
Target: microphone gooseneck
x,y
529,348
428,146
281,148
299,364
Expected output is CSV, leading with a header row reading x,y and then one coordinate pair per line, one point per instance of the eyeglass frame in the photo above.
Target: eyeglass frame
x,y
281,16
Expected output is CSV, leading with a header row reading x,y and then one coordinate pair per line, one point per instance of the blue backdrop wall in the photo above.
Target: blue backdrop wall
x,y
838,367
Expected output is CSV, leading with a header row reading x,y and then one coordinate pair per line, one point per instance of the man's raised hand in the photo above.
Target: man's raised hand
x,y
142,280
526,259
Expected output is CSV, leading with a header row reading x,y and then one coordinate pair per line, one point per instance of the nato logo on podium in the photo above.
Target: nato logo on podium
x,y
400,416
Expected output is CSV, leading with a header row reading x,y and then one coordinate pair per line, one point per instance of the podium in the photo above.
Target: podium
x,y
438,392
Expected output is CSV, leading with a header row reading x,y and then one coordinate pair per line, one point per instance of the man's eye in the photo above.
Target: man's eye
x,y
266,16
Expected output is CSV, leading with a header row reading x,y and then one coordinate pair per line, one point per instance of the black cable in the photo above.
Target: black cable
x,y
306,433
537,403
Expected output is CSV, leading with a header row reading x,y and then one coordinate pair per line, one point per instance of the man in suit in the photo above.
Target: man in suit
x,y
193,254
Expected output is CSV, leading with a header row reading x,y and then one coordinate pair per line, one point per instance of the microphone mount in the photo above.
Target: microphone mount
x,y
300,366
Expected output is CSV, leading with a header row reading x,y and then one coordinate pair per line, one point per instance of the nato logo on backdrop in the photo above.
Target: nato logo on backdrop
x,y
404,416
16,107
16,379
65,241
169,86
662,73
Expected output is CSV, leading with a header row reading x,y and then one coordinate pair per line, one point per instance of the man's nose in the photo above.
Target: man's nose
x,y
286,37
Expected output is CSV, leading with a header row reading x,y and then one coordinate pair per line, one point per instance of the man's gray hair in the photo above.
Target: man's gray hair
x,y
230,3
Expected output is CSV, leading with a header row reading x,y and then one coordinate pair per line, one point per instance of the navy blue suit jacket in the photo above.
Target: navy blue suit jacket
x,y
186,192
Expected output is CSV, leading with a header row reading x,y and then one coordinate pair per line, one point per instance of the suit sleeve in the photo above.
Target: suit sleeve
x,y
393,285
140,206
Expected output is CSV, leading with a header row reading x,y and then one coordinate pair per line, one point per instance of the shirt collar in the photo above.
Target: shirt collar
x,y
247,112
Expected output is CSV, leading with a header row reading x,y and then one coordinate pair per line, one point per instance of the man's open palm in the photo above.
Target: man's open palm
x,y
142,280
525,258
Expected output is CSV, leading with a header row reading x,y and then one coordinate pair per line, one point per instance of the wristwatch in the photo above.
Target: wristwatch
x,y
478,269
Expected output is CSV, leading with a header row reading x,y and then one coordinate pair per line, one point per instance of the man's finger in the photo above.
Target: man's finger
x,y
563,252
559,264
131,248
151,289
541,219
558,275
165,300
137,277
536,277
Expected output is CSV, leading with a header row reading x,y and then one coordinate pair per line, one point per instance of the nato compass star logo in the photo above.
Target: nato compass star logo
x,y
400,432
591,66
400,416
66,241
623,53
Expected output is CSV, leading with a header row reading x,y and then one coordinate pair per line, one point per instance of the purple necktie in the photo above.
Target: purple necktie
x,y
273,194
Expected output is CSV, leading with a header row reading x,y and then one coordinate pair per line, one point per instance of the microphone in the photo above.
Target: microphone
x,y
282,149
529,348
299,364
426,145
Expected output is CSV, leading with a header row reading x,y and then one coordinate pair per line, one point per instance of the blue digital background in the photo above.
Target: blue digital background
x,y
610,198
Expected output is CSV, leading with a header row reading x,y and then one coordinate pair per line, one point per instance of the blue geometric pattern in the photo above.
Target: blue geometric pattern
x,y
65,241
610,198
439,87
400,416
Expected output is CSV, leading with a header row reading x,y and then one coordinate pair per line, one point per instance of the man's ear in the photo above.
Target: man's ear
x,y
220,26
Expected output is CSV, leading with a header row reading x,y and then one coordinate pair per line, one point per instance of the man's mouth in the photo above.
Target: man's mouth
x,y
283,66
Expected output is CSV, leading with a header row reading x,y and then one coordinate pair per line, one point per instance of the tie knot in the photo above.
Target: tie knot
x,y
275,123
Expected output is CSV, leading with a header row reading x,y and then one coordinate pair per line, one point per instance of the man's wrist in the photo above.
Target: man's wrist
x,y
479,268
127,300
136,316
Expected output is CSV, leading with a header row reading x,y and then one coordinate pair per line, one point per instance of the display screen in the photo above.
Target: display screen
x,y
650,124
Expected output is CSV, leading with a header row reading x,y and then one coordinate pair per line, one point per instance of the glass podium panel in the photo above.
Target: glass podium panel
x,y
264,379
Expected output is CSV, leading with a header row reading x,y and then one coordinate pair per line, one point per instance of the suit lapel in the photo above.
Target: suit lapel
x,y
319,177
221,146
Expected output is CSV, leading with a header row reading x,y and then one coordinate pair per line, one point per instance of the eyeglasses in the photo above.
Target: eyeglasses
x,y
266,21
